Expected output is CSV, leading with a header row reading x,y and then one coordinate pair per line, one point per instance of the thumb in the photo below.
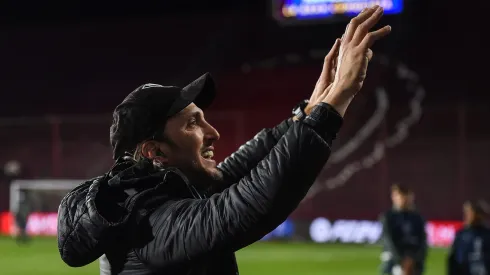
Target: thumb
x,y
369,54
330,59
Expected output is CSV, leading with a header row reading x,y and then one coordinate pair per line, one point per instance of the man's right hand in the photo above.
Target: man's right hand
x,y
354,56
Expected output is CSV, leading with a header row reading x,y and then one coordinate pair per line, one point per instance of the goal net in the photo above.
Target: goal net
x,y
39,201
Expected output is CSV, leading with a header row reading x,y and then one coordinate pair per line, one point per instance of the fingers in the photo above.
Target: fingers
x,y
333,68
333,52
328,65
372,37
364,28
356,21
369,54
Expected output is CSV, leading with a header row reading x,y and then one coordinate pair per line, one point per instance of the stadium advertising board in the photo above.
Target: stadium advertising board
x,y
320,230
442,233
283,231
345,231
439,233
38,224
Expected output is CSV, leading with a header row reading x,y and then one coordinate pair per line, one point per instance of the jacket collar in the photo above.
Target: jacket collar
x,y
137,176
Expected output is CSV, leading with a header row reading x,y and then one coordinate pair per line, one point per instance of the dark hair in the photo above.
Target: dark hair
x,y
158,136
479,206
137,152
404,190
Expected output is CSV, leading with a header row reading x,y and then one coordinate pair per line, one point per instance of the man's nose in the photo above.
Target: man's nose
x,y
212,133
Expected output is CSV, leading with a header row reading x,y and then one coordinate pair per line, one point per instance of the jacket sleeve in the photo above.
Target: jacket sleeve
x,y
391,243
452,263
191,229
83,232
252,152
421,250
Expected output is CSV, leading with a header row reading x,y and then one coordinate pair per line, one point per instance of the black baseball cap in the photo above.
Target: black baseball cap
x,y
145,110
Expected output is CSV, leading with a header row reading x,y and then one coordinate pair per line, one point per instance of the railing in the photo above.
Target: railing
x,y
444,157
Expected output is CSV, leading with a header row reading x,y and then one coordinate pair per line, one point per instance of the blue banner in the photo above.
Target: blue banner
x,y
284,230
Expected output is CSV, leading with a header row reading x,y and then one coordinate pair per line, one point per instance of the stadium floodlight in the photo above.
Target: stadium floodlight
x,y
12,168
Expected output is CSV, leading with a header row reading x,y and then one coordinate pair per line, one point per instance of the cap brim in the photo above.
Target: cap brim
x,y
201,92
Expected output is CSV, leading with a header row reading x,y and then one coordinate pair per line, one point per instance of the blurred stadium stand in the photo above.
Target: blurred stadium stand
x,y
444,158
63,73
65,66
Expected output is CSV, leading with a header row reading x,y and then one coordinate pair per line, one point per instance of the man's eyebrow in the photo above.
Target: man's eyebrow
x,y
197,113
191,114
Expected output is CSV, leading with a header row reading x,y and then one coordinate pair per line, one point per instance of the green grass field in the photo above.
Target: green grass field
x,y
42,258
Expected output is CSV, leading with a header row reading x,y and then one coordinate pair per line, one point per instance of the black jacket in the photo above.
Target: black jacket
x,y
139,220
404,235
470,252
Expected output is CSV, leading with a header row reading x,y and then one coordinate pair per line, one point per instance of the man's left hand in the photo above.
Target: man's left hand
x,y
324,83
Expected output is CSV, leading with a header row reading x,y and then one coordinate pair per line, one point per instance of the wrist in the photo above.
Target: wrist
x,y
325,120
299,110
339,98
308,109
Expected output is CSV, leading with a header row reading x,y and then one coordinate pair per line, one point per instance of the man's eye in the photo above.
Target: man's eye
x,y
192,122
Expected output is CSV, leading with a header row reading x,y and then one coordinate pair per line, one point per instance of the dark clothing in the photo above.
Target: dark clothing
x,y
21,222
470,252
22,216
161,224
404,236
388,268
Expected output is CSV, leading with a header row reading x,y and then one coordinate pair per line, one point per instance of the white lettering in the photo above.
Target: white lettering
x,y
319,230
345,231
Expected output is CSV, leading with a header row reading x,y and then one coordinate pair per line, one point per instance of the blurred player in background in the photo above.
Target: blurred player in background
x,y
404,236
21,217
470,252
13,170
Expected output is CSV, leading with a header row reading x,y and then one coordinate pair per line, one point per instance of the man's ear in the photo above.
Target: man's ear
x,y
151,150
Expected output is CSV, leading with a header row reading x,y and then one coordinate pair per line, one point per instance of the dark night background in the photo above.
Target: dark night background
x,y
66,59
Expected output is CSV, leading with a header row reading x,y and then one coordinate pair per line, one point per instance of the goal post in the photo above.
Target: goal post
x,y
60,186
41,198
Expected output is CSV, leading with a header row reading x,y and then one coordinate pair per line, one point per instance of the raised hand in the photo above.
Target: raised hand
x,y
325,81
354,56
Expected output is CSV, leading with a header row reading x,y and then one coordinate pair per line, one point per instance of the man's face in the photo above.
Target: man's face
x,y
469,214
400,201
190,145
